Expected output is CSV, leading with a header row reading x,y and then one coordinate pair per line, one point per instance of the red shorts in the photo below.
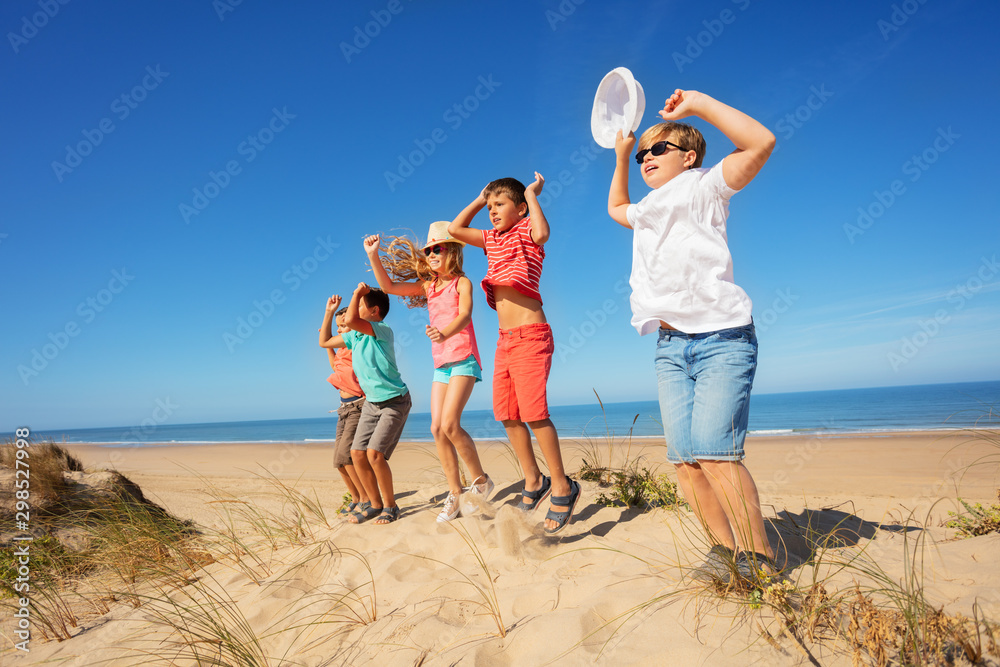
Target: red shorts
x,y
520,371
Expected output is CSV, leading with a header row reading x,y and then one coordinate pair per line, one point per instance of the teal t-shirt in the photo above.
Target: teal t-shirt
x,y
374,362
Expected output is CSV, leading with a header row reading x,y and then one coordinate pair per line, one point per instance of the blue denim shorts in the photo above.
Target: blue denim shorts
x,y
704,383
468,366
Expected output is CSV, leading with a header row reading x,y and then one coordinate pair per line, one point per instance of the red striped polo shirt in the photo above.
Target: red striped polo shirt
x,y
514,260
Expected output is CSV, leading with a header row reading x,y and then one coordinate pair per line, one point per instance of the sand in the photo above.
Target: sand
x,y
613,588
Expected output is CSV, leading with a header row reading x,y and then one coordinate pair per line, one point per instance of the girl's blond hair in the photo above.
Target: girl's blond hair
x,y
406,263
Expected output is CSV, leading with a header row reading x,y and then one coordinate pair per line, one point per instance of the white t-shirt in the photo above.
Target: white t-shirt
x,y
682,272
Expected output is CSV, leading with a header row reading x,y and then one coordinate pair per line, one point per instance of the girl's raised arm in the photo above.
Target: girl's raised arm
x,y
371,244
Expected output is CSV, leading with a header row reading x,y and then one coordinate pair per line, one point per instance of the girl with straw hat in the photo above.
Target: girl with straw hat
x,y
432,276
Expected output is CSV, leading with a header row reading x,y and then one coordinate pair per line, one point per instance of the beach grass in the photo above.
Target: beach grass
x,y
110,541
481,579
840,601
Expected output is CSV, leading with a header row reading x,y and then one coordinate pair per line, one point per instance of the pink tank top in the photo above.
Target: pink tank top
x,y
442,305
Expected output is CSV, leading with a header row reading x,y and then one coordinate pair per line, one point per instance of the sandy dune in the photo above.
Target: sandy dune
x,y
613,588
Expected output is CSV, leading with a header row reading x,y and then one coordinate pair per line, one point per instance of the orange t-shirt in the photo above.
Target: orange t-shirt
x,y
343,377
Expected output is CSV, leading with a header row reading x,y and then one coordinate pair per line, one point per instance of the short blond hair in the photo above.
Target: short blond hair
x,y
682,134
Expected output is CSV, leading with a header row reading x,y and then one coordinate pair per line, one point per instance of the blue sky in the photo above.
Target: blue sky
x,y
173,169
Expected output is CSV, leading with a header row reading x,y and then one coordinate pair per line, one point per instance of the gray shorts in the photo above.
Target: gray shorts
x,y
381,425
348,415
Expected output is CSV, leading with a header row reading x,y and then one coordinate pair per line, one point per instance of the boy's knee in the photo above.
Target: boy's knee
x,y
358,456
375,456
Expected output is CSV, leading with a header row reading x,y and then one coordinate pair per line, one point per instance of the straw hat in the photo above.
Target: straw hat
x,y
618,105
438,233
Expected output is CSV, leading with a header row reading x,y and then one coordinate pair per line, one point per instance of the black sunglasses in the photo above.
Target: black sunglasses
x,y
436,249
659,148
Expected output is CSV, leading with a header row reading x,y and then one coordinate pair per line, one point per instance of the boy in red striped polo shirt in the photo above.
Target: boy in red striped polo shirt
x,y
524,350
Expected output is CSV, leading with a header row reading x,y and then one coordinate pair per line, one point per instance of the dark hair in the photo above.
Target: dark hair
x,y
340,312
376,298
511,187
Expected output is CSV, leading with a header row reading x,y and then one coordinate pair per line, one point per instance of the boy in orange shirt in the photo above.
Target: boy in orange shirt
x,y
524,350
352,399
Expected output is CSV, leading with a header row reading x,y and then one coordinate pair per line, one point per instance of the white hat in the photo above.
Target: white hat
x,y
618,105
438,233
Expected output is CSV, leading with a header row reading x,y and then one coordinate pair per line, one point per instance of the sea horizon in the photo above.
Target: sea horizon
x,y
931,407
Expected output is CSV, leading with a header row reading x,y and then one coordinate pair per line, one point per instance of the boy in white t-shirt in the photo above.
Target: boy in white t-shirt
x,y
682,287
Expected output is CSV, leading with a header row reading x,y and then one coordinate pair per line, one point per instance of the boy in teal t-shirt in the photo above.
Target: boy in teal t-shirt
x,y
387,399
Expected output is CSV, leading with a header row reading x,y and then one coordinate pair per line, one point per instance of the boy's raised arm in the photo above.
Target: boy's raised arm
x,y
384,281
459,227
326,337
539,225
352,318
753,141
618,200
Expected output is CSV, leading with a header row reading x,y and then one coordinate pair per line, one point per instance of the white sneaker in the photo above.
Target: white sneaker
x,y
450,510
483,489
475,495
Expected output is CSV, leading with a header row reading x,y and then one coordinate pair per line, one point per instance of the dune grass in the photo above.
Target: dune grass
x,y
841,602
977,520
624,481
117,541
486,593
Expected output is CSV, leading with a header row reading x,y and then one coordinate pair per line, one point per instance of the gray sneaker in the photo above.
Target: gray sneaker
x,y
757,569
719,566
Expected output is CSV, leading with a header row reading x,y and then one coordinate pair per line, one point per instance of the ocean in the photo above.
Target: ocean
x,y
970,405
